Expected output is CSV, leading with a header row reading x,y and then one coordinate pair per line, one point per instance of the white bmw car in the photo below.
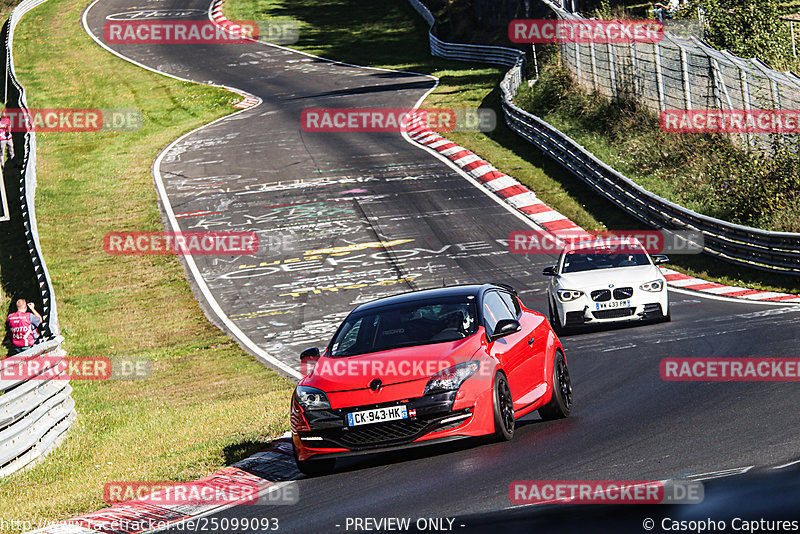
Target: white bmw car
x,y
606,281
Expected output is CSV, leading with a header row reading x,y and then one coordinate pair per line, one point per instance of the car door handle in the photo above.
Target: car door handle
x,y
531,340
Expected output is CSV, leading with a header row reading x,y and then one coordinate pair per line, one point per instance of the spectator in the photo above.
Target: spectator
x,y
666,10
6,141
23,325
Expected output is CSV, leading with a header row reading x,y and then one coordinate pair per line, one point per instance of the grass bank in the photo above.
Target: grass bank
x,y
703,172
208,403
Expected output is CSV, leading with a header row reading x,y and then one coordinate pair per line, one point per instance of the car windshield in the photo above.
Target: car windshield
x,y
405,325
577,261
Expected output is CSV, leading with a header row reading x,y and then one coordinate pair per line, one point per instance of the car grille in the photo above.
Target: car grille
x,y
381,433
613,314
601,295
622,293
391,433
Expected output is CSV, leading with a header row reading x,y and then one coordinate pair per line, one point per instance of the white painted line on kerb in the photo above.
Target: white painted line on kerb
x,y
452,150
548,216
524,200
703,294
501,183
466,160
439,143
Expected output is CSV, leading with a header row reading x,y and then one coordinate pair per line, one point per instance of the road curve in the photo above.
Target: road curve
x,y
358,216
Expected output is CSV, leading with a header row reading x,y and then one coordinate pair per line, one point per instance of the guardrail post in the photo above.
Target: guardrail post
x,y
659,77
687,88
635,70
745,87
719,85
612,67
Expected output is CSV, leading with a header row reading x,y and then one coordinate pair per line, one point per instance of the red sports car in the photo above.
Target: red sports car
x,y
427,367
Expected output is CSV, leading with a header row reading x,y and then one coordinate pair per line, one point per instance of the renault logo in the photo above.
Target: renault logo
x,y
375,385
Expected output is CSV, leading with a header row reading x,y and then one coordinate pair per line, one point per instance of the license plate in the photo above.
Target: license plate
x,y
378,415
613,304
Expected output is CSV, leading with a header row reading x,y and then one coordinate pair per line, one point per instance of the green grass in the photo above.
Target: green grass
x,y
208,403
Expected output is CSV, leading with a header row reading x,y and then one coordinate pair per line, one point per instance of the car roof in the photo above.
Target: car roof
x,y
431,294
599,244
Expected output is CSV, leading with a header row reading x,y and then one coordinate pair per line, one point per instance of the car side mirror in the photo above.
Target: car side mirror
x,y
658,259
308,359
505,327
550,271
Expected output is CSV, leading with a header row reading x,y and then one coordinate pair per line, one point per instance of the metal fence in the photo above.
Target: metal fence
x,y
36,408
773,251
680,73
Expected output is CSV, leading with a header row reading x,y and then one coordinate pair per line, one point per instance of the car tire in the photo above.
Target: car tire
x,y
560,404
503,408
314,468
555,322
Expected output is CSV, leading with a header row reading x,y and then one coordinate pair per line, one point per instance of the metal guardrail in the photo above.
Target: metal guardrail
x,y
465,52
730,242
35,411
762,249
22,178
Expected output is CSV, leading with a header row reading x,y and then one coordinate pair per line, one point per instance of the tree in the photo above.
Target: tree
x,y
748,28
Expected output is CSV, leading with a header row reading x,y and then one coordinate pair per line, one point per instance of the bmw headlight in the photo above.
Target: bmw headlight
x,y
566,295
654,286
450,379
311,398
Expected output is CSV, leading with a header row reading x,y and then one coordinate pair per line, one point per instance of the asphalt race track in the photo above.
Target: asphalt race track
x,y
348,217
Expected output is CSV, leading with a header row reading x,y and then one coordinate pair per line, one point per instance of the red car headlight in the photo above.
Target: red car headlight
x,y
450,379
